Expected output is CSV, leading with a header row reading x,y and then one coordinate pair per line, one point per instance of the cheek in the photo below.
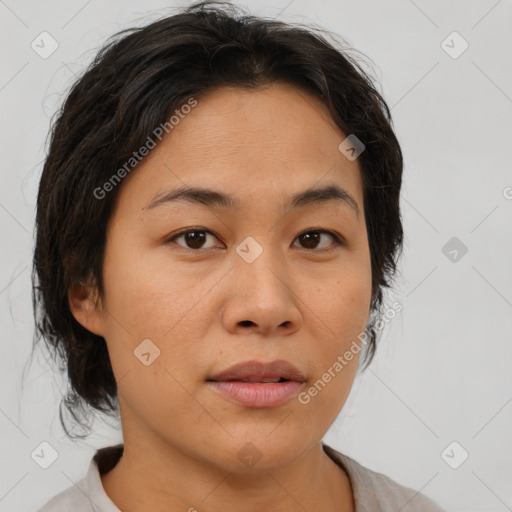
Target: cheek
x,y
342,303
145,294
161,396
146,301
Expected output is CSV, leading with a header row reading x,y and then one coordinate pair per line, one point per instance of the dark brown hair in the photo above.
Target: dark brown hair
x,y
134,84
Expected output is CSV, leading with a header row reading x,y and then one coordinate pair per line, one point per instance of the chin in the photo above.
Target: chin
x,y
256,450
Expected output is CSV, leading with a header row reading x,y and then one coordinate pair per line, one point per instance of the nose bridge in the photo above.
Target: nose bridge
x,y
263,294
260,267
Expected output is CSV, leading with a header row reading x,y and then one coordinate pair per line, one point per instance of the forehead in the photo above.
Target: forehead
x,y
268,142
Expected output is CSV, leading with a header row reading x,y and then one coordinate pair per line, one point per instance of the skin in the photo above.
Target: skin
x,y
206,308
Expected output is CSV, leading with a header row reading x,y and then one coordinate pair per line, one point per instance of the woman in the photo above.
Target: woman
x,y
217,218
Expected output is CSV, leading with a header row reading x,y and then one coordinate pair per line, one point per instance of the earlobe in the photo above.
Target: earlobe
x,y
85,307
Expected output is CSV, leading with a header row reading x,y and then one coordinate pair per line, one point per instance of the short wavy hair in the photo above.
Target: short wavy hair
x,y
133,85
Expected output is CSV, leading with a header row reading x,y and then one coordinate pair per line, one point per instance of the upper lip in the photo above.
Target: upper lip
x,y
261,370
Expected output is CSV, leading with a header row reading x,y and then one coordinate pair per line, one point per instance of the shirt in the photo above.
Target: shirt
x,y
373,491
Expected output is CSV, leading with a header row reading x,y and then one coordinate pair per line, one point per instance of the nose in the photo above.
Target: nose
x,y
262,299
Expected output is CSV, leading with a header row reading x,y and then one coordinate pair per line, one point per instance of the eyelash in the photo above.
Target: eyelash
x,y
337,239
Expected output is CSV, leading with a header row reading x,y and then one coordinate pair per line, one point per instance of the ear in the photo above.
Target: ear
x,y
85,307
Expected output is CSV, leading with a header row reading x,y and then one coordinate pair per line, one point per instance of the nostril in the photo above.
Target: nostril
x,y
246,323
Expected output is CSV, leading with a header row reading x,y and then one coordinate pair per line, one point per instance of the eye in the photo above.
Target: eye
x,y
195,238
311,238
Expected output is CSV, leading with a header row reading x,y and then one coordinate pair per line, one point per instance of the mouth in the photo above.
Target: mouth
x,y
254,380
258,385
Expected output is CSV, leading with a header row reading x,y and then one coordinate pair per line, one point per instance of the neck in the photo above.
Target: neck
x,y
153,476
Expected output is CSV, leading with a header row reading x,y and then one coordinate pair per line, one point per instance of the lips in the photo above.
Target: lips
x,y
256,371
258,385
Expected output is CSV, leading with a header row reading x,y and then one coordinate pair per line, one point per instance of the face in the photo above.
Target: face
x,y
260,280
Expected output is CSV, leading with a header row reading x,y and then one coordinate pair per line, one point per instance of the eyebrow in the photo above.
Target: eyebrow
x,y
214,198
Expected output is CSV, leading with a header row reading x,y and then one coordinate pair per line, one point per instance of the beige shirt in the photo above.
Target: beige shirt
x,y
373,492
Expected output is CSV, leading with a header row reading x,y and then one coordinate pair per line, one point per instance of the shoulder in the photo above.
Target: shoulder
x,y
374,491
88,494
74,498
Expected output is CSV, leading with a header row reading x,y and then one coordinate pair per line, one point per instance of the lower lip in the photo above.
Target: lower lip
x,y
258,394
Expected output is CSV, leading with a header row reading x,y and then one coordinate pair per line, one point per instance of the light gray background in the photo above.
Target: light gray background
x,y
443,368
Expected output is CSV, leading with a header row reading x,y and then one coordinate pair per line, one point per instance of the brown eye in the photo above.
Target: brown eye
x,y
193,238
311,239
